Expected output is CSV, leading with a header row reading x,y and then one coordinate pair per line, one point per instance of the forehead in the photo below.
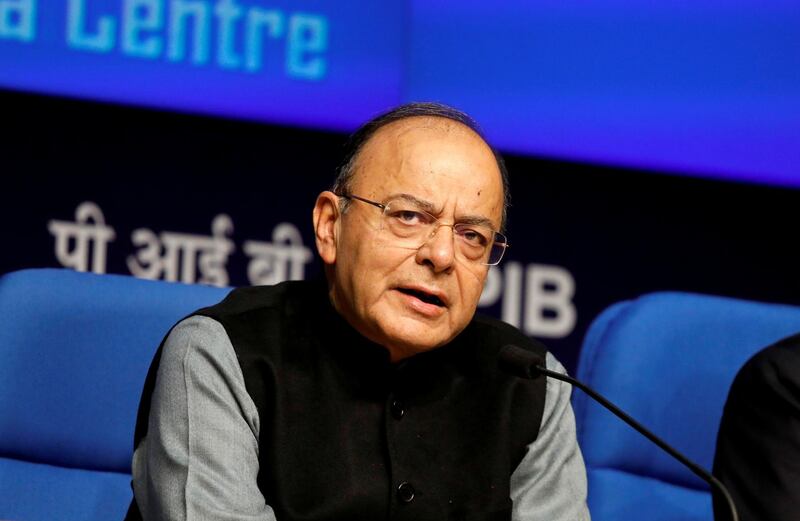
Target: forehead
x,y
436,159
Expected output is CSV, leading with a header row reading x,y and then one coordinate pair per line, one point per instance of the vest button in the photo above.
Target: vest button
x,y
405,492
397,409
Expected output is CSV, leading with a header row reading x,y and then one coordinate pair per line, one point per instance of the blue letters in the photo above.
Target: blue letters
x,y
18,20
227,13
139,16
101,41
307,34
180,11
241,37
257,19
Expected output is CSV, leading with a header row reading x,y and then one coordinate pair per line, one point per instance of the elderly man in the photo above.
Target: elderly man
x,y
376,393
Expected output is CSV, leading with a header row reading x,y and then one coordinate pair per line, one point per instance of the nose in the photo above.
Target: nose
x,y
439,250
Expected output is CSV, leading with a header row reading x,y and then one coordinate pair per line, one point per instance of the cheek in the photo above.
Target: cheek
x,y
370,274
471,287
472,277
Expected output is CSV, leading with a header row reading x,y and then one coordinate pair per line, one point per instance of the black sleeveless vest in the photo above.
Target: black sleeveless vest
x,y
347,435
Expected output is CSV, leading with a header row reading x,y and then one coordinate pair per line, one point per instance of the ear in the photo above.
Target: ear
x,y
326,216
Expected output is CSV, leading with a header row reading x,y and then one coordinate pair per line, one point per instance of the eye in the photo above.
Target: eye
x,y
408,217
472,236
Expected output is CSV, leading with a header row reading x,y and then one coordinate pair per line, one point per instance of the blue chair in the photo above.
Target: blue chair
x,y
668,359
74,352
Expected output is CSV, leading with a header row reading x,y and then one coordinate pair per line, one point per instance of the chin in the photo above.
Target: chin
x,y
411,341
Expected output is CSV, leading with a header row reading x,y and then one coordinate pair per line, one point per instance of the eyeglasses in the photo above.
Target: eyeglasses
x,y
411,226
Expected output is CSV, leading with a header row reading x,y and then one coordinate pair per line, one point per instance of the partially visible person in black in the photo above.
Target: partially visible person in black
x,y
758,445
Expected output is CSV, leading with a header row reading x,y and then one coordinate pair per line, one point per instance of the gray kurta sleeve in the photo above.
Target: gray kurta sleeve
x,y
199,459
550,482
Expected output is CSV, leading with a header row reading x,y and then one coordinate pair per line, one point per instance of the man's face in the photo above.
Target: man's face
x,y
383,289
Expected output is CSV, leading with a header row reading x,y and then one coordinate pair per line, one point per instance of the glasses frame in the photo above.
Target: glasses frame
x,y
383,206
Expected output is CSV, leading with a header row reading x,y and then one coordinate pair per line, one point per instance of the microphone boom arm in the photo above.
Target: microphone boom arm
x,y
695,468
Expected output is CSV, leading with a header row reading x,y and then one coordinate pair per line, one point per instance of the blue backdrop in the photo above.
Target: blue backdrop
x,y
705,87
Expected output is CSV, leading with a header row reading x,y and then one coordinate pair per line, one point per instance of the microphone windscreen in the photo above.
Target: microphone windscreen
x,y
519,362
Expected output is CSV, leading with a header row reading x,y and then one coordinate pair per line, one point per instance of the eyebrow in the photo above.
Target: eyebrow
x,y
431,209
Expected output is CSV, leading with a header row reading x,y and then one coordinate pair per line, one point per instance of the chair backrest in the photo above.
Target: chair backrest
x,y
667,359
74,352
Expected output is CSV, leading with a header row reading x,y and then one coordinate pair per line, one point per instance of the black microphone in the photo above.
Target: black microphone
x,y
525,364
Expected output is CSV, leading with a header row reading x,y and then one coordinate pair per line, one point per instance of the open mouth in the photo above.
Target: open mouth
x,y
423,296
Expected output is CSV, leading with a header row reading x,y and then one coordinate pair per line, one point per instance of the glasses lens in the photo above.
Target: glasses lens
x,y
410,226
474,241
498,248
407,222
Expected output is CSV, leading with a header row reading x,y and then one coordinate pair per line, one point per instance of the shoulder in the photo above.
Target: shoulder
x,y
252,298
484,338
775,365
255,309
767,387
764,398
495,334
191,345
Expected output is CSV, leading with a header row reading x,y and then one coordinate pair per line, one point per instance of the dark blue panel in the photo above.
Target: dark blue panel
x,y
315,62
706,86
